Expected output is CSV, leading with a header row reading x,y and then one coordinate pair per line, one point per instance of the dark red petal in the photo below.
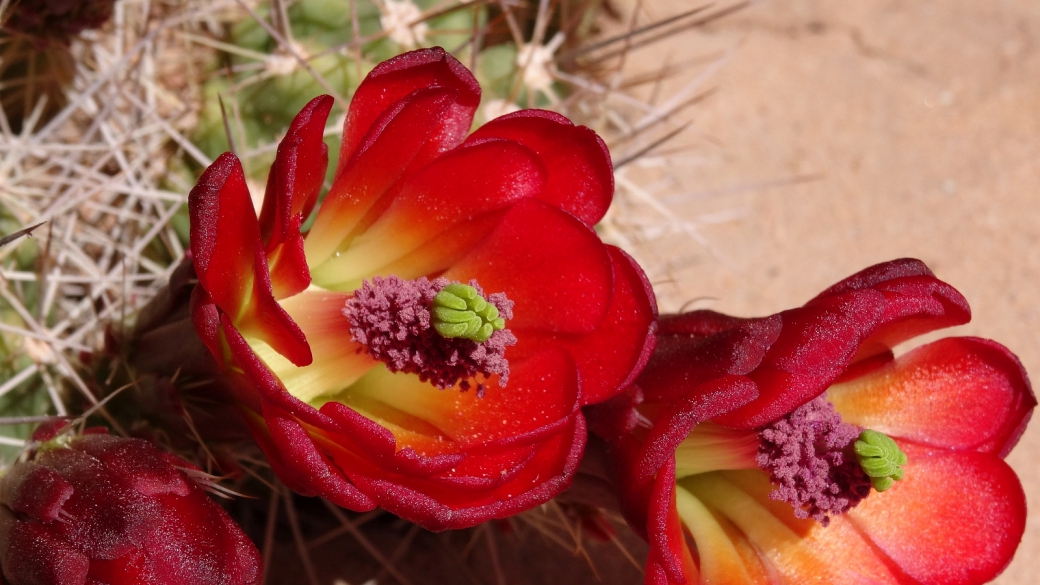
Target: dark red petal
x,y
205,318
293,186
916,305
674,423
541,476
551,265
681,362
819,341
405,138
457,188
394,79
580,174
112,518
300,455
230,262
495,470
877,274
139,461
198,543
668,548
616,418
918,302
34,490
813,348
700,323
957,393
610,357
955,518
129,569
29,553
224,234
648,504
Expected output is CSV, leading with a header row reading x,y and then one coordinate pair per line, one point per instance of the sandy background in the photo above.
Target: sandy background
x,y
843,134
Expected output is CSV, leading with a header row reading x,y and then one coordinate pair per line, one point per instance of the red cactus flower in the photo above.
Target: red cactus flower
x,y
795,448
103,509
436,261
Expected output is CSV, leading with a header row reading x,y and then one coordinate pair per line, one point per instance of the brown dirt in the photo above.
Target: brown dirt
x,y
849,133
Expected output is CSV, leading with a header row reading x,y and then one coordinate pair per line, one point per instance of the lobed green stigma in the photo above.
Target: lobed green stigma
x,y
880,458
459,310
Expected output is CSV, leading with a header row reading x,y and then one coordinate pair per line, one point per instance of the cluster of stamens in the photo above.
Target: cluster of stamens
x,y
446,333
810,460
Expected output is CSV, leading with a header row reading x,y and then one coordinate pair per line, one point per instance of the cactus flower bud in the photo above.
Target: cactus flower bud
x,y
102,509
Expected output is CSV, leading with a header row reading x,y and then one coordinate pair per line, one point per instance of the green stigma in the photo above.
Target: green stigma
x,y
880,458
459,310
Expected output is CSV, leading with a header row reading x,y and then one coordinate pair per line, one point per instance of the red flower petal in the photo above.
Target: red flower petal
x,y
304,462
37,555
200,549
611,356
648,503
546,472
699,323
40,492
958,393
917,302
668,548
551,265
819,341
229,259
542,390
955,518
480,468
394,79
107,531
292,190
404,139
682,362
141,463
580,174
877,274
458,187
789,550
225,236
705,402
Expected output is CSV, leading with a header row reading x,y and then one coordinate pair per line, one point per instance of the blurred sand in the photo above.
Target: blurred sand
x,y
921,123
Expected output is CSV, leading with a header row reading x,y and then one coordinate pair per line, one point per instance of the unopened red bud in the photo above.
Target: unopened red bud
x,y
98,508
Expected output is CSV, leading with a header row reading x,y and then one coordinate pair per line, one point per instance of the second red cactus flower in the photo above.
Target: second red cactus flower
x,y
427,346
796,448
